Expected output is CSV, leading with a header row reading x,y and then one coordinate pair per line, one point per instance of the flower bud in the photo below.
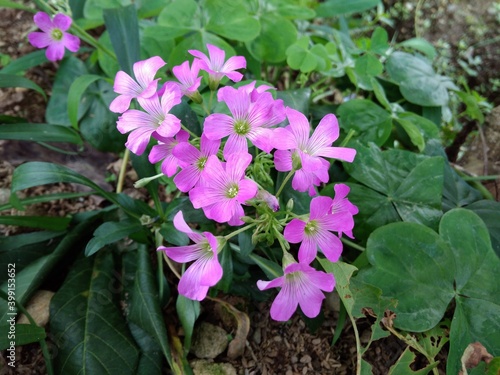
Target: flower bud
x,y
289,205
269,199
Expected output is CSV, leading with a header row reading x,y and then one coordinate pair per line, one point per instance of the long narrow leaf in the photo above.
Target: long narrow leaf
x,y
46,198
123,27
39,133
75,93
25,62
109,233
25,334
14,5
41,222
12,80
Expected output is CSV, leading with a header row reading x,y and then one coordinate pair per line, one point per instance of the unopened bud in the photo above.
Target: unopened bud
x,y
247,219
146,180
289,205
269,199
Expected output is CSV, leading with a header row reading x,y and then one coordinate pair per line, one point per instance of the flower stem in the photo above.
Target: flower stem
x,y
123,169
347,138
287,178
184,127
352,244
236,232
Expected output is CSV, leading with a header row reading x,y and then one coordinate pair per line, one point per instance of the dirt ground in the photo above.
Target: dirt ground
x,y
271,347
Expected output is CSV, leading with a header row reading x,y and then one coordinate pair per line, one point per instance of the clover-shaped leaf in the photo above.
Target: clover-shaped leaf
x,y
425,272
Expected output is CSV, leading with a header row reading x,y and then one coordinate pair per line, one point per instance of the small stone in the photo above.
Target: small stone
x,y
38,308
316,342
209,340
204,367
305,359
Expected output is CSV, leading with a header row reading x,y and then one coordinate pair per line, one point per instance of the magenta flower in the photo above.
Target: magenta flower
x,y
224,189
188,78
304,154
194,161
249,120
129,89
316,233
163,151
217,68
300,285
341,206
206,270
53,35
156,121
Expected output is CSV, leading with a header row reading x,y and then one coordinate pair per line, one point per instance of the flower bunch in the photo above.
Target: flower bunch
x,y
214,169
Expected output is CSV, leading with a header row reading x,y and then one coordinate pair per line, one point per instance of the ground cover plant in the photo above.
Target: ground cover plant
x,y
280,148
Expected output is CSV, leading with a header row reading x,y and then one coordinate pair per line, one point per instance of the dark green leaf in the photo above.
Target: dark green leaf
x,y
172,235
368,65
331,8
87,324
14,242
402,365
25,62
151,359
110,232
41,222
379,42
226,261
180,17
188,311
297,99
12,80
75,93
421,45
24,334
39,133
371,123
123,27
489,211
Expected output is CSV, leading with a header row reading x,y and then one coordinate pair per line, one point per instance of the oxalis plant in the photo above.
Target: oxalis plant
x,y
258,179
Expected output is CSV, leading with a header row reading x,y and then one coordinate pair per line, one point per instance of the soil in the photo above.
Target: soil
x,y
271,347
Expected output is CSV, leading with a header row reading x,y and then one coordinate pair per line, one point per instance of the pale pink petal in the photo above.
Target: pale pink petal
x,y
208,146
138,140
325,134
275,283
120,104
182,254
169,127
299,126
43,21
233,63
212,271
262,139
203,196
309,163
236,218
294,231
171,96
186,152
247,190
283,139
320,206
55,51
124,84
161,150
301,181
61,21
133,119
237,165
329,244
187,178
146,70
223,210
217,56
190,284
284,304
310,299
235,144
340,153
308,250
39,40
283,160
217,126
321,280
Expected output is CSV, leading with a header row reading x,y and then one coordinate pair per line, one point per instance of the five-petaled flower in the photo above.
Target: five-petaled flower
x,y
206,270
164,151
300,285
145,87
189,81
315,232
217,67
156,121
225,189
53,35
305,155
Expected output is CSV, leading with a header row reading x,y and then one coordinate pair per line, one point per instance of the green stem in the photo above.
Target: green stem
x,y
418,8
123,169
241,230
159,255
348,138
184,127
352,244
287,178
482,178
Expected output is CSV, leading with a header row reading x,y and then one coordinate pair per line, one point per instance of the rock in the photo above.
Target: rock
x,y
38,308
204,367
209,341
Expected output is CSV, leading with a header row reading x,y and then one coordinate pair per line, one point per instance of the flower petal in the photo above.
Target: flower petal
x,y
55,51
62,21
294,231
71,42
320,206
299,126
308,250
43,21
284,304
146,70
39,39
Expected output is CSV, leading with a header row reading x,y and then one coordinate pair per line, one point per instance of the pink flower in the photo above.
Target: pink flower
x,y
163,151
53,35
304,154
194,162
217,68
206,270
155,121
315,232
341,205
188,78
300,285
128,88
249,120
224,189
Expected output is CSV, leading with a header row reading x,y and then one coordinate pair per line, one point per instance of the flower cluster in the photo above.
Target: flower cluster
x,y
213,170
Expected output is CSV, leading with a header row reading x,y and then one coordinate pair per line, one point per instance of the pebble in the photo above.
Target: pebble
x,y
209,340
305,359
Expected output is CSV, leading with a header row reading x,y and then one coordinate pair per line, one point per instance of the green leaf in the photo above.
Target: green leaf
x,y
151,359
229,19
421,45
142,299
418,82
413,132
94,9
75,93
370,122
87,324
379,42
188,311
305,59
271,269
402,365
41,222
14,242
24,334
342,272
180,17
489,212
12,80
409,183
172,235
110,232
32,276
123,27
331,8
276,35
14,5
226,261
297,99
426,129
25,62
39,133
368,65
477,312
